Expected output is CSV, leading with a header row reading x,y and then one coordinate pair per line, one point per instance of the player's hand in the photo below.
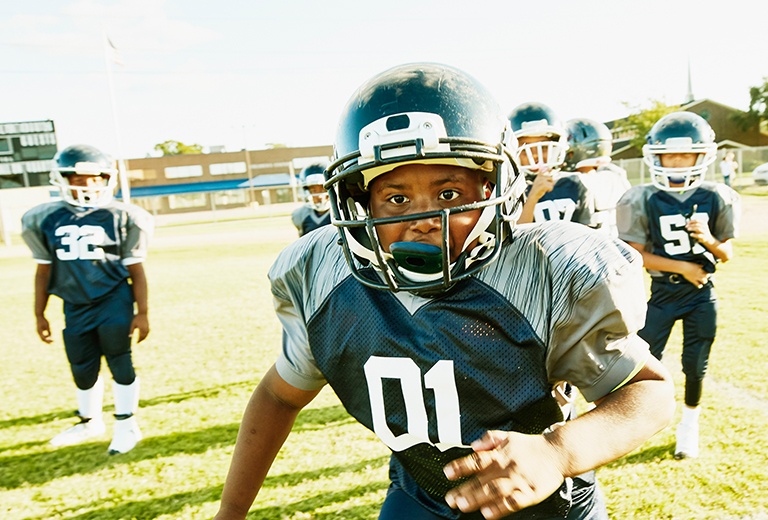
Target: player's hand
x,y
542,184
510,471
699,231
141,323
696,274
44,329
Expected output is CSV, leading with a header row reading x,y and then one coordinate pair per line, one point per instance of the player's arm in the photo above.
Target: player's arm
x,y
266,423
699,231
542,184
140,320
691,271
512,471
42,277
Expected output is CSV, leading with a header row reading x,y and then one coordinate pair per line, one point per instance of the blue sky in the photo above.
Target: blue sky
x,y
249,73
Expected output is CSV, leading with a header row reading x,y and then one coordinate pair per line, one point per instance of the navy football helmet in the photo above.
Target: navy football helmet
x,y
538,120
314,175
422,113
83,159
589,144
680,132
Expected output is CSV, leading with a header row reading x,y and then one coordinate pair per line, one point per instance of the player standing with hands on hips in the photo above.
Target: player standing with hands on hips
x,y
89,251
446,340
683,226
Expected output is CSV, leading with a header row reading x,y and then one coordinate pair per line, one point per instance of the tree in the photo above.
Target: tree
x,y
757,113
641,120
178,148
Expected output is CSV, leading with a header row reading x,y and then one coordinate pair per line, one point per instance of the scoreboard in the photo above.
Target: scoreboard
x,y
26,150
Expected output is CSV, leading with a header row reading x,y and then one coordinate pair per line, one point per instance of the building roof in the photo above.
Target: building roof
x,y
260,181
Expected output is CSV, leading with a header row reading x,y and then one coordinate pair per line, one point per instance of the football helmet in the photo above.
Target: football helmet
x,y
313,175
680,132
538,120
421,113
589,144
83,159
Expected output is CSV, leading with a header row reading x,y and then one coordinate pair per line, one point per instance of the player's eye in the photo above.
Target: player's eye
x,y
449,195
398,200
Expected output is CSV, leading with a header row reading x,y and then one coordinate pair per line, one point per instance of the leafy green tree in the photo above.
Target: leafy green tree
x,y
640,120
757,114
178,148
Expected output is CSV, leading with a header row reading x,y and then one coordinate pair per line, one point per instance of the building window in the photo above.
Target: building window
x,y
187,200
141,175
227,168
6,147
229,197
180,172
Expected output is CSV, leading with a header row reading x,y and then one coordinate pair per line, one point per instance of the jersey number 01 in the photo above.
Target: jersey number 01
x,y
440,379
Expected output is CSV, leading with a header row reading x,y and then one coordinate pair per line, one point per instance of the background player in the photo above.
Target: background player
x,y
446,340
589,153
543,143
315,212
683,226
89,251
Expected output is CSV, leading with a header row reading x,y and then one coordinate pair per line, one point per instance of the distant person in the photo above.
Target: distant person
x,y
728,167
589,153
442,326
543,142
89,251
683,226
315,212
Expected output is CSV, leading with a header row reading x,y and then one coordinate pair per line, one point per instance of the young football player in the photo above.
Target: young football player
x,y
442,327
89,251
683,226
316,209
542,146
589,154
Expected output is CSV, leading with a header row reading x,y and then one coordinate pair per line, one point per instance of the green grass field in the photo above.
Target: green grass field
x,y
214,333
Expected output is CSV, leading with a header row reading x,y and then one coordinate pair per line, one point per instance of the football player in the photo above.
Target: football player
x,y
442,327
89,251
543,143
589,153
316,209
683,226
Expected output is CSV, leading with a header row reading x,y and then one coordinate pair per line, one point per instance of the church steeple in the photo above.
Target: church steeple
x,y
689,96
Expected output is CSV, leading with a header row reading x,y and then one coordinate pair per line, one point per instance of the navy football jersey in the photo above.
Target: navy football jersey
x,y
657,218
430,375
306,219
88,248
569,200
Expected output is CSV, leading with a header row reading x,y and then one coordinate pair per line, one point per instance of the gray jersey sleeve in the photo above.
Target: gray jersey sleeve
x,y
631,216
594,342
301,277
729,216
32,233
584,295
139,230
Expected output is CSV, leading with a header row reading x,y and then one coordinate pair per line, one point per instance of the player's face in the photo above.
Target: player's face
x,y
91,181
678,160
418,188
530,139
318,193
